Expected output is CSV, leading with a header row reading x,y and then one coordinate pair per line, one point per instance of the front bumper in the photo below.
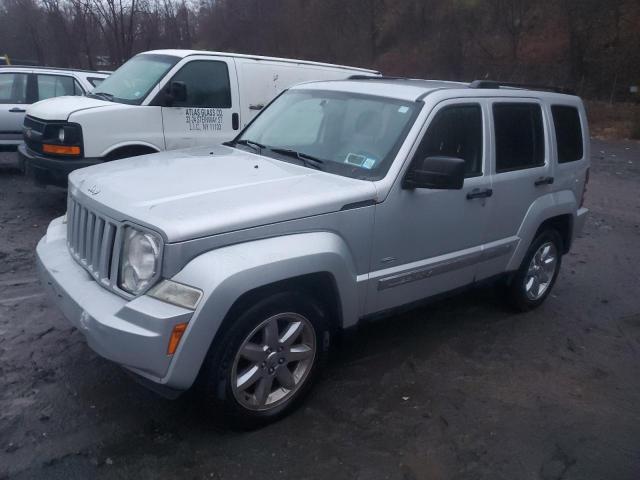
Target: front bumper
x,y
51,171
134,334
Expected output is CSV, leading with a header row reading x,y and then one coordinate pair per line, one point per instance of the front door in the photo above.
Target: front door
x,y
209,114
13,104
429,241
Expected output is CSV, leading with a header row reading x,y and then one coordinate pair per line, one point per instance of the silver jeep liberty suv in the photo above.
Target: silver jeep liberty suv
x,y
234,267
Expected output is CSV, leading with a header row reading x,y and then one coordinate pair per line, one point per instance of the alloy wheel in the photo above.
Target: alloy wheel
x,y
273,361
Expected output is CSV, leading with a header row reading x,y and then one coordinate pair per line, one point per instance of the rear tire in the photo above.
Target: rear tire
x,y
264,364
537,274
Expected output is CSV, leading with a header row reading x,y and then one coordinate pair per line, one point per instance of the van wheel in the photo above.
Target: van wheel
x,y
537,274
262,367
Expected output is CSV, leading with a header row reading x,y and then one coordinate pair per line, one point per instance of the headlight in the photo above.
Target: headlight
x,y
139,261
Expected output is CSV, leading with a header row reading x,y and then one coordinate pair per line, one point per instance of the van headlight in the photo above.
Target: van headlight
x,y
139,260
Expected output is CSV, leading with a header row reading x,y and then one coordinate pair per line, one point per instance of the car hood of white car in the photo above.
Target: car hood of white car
x,y
61,108
187,194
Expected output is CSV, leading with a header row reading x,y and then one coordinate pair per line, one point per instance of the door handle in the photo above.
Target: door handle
x,y
479,193
543,181
256,107
17,110
235,121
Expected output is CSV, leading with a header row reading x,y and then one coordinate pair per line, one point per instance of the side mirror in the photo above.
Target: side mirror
x,y
440,173
176,92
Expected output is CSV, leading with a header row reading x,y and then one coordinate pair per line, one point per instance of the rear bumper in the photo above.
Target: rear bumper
x,y
580,220
133,333
51,171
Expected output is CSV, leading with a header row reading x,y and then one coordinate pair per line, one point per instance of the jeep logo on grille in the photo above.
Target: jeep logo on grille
x,y
93,190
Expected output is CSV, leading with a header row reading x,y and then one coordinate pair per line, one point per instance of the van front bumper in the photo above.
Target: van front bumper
x,y
51,171
133,333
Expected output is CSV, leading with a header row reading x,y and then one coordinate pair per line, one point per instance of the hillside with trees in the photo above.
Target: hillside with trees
x,y
588,45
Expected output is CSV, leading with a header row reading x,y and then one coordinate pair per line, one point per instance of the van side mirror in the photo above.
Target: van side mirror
x,y
439,173
176,92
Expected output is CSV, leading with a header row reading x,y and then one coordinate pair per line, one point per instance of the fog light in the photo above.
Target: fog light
x,y
176,294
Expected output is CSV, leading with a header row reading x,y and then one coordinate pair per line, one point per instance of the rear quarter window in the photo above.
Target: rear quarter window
x,y
95,81
566,121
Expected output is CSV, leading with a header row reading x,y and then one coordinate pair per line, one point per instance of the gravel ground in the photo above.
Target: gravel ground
x,y
461,389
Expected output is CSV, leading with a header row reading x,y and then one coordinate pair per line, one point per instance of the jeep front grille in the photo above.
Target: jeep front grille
x,y
92,240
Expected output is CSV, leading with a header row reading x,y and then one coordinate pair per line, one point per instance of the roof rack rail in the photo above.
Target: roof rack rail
x,y
55,68
374,77
492,84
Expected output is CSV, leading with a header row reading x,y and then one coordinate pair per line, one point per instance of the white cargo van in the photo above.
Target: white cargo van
x,y
160,100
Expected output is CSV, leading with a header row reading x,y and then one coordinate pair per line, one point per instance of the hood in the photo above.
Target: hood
x,y
199,192
60,108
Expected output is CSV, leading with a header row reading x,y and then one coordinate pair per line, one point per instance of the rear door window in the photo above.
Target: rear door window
x,y
207,84
568,133
13,87
519,136
50,86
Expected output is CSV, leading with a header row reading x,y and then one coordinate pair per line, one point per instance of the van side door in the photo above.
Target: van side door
x,y
209,112
521,170
428,241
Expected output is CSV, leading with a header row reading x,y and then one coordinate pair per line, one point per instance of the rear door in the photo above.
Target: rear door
x,y
210,113
14,98
521,171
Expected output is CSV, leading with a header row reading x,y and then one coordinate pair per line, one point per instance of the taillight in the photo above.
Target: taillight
x,y
584,189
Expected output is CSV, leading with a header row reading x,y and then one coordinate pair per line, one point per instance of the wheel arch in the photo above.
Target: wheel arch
x,y
557,210
318,263
131,149
563,224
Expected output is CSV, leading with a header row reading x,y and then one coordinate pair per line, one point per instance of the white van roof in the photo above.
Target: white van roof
x,y
186,53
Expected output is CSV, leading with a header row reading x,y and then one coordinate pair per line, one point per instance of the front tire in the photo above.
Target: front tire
x,y
265,362
537,274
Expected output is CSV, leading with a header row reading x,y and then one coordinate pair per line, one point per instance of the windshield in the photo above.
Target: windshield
x,y
344,133
133,81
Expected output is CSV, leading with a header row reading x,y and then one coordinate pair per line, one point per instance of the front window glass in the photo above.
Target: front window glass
x,y
456,131
133,81
344,133
50,86
207,83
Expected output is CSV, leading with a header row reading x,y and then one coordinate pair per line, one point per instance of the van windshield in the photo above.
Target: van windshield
x,y
132,82
344,133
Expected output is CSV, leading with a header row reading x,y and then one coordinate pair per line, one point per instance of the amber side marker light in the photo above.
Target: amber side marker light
x,y
176,335
61,149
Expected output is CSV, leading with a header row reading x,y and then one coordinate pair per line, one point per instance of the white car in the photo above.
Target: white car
x,y
160,100
21,86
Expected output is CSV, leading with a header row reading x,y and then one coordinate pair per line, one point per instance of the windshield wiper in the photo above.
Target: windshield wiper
x,y
102,95
305,158
257,147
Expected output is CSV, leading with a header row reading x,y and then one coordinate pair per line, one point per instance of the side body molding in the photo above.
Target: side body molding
x,y
226,273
